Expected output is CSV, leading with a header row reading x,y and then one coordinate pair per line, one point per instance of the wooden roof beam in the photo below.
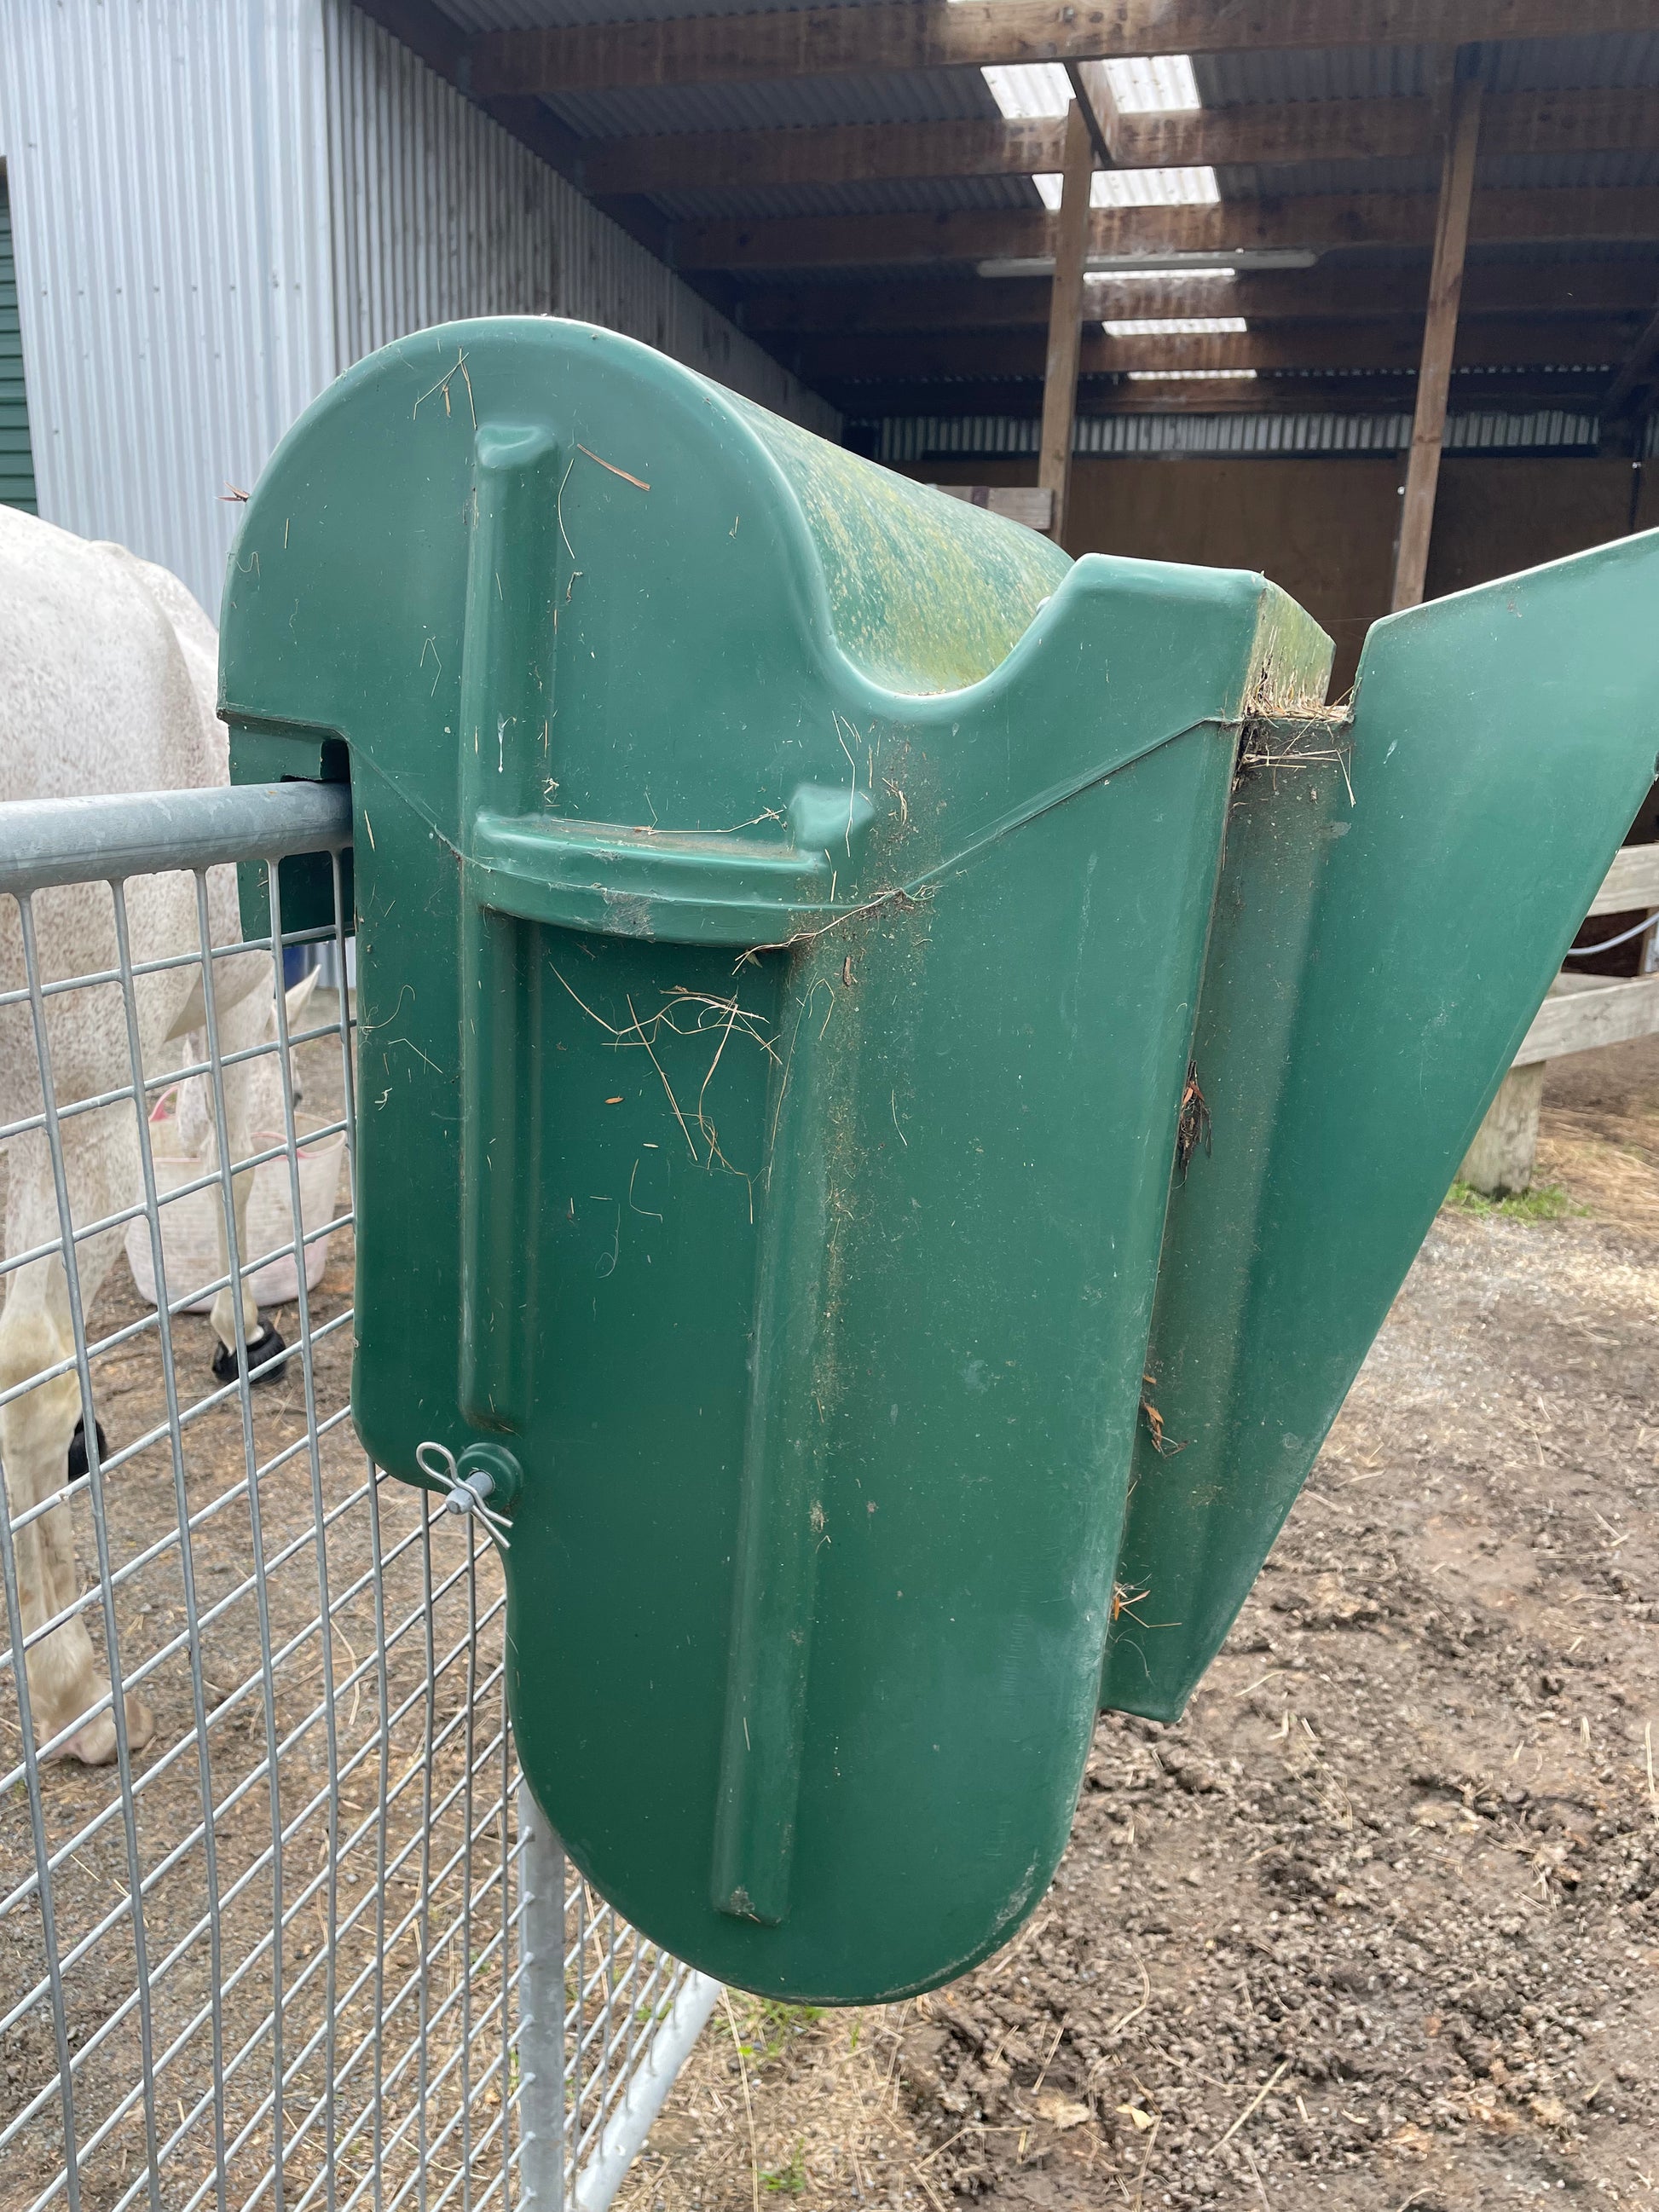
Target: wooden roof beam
x,y
920,34
1577,122
1311,223
1541,289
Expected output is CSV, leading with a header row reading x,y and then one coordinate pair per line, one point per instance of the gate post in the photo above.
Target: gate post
x,y
541,2010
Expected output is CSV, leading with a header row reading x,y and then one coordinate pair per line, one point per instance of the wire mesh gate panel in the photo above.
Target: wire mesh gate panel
x,y
278,1925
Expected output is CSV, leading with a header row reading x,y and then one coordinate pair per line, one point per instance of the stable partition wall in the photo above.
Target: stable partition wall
x,y
1322,527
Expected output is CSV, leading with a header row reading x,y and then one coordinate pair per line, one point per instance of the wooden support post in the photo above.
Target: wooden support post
x,y
1500,1161
1065,319
1638,368
1025,503
1451,237
1581,1014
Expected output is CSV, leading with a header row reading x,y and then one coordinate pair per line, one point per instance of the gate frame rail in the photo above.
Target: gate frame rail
x,y
48,844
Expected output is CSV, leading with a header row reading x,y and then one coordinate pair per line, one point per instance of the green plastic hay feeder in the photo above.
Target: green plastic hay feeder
x,y
788,904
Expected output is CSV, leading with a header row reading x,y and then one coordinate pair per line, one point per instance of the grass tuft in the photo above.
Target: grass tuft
x,y
789,2180
771,2025
1545,1201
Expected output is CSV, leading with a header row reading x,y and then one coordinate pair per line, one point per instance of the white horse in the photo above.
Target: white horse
x,y
107,681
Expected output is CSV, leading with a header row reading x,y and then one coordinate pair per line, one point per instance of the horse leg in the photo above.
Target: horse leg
x,y
37,1431
241,1026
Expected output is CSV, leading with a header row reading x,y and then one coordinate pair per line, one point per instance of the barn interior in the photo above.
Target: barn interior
x,y
1367,296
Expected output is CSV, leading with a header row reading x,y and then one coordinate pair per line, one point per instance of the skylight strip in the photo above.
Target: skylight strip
x,y
1030,89
1176,326
1126,188
1155,84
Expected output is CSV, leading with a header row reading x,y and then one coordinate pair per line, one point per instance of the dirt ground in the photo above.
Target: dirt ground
x,y
395,1977
1376,1925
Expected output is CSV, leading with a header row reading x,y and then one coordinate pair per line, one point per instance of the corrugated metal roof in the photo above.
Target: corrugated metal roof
x,y
1241,180
1509,254
900,96
1336,73
1222,79
548,15
1547,64
1250,75
909,196
1563,171
897,96
1569,249
1499,173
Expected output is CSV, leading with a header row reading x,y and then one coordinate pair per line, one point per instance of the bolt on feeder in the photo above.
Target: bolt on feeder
x,y
789,905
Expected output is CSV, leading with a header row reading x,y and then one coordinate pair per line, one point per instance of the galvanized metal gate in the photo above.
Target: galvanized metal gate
x,y
303,1939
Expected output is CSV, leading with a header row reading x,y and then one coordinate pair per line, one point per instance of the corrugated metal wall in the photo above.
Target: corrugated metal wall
x,y
169,221
438,213
217,207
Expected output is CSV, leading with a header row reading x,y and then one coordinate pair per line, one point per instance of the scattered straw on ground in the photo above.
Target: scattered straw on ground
x,y
1377,1923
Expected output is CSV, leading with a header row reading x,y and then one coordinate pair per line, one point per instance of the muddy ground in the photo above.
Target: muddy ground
x,y
1376,1925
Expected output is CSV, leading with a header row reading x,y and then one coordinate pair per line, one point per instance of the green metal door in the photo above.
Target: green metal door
x,y
17,462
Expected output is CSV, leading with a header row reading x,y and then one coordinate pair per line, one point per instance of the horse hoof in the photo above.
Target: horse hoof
x,y
77,1450
267,1346
94,1744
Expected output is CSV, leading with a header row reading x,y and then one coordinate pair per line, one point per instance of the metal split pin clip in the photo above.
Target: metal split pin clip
x,y
469,1492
